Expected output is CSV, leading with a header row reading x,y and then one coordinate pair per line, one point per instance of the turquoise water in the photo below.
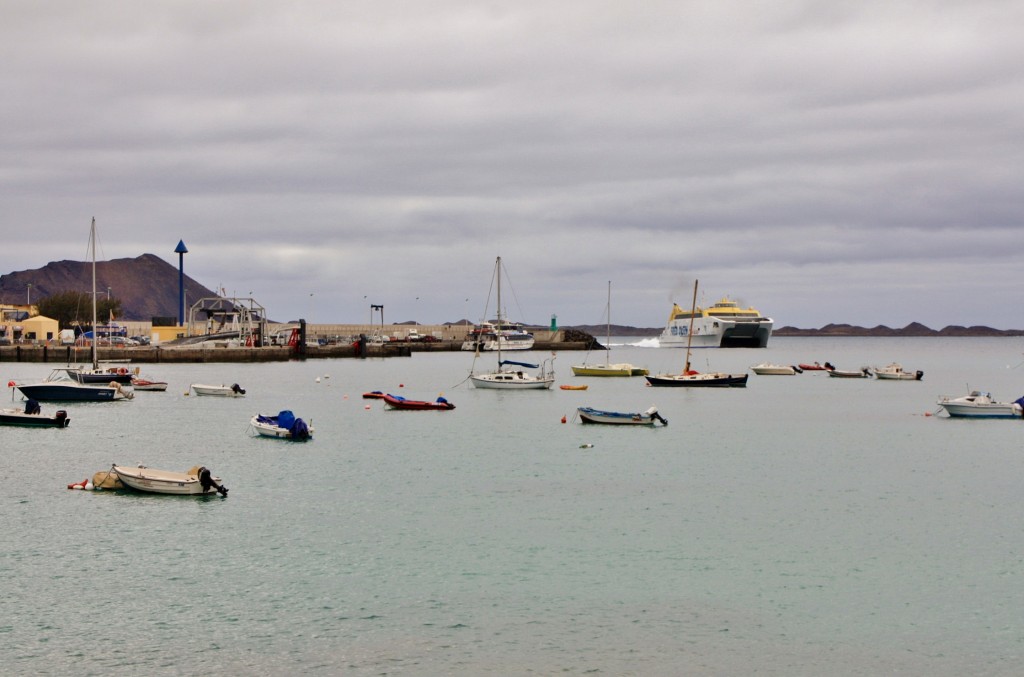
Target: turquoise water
x,y
804,525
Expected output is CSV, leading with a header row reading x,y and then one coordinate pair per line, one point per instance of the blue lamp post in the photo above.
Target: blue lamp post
x,y
181,250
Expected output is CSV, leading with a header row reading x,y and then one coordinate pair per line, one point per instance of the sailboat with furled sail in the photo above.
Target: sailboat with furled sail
x,y
694,379
510,375
63,384
608,369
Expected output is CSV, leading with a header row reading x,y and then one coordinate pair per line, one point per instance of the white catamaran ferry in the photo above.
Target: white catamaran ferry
x,y
723,325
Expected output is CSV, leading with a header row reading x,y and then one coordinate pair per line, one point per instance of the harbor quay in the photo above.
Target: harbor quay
x,y
322,342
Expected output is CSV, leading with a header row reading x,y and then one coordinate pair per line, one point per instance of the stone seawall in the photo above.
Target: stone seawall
x,y
166,354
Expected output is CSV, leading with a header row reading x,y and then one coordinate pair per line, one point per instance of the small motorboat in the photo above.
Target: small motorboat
x,y
283,426
591,415
979,404
233,390
769,369
398,402
569,387
817,366
32,416
194,482
373,395
863,372
894,372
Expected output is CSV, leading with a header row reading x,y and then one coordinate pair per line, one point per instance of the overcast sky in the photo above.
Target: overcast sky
x,y
822,161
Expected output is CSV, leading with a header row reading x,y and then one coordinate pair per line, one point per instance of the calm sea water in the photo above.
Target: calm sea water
x,y
802,526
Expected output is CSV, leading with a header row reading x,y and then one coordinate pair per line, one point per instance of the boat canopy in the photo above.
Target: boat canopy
x,y
518,364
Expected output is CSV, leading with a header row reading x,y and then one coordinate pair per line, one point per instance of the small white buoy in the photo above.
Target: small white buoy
x,y
366,407
89,486
318,379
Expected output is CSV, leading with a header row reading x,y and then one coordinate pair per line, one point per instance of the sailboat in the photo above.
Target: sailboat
x,y
693,379
509,375
608,369
64,383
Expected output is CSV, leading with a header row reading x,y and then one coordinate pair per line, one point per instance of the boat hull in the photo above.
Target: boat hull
x,y
602,370
591,415
71,392
511,381
849,373
218,390
715,332
167,482
15,417
394,402
710,380
773,370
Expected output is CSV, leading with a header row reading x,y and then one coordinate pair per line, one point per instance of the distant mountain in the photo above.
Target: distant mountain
x,y
147,286
912,329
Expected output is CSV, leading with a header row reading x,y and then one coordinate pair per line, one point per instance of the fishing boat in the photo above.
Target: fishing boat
x,y
694,379
509,374
723,325
769,369
608,369
233,390
283,426
591,415
398,402
895,372
863,372
194,482
978,404
32,417
76,384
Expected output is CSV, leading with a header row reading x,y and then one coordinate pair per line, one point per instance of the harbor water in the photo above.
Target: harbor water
x,y
803,525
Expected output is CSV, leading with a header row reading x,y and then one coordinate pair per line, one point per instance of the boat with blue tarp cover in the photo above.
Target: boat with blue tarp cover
x,y
283,426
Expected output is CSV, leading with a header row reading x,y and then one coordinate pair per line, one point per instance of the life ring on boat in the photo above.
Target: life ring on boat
x,y
122,371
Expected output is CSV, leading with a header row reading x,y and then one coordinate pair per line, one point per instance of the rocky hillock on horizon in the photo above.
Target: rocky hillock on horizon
x,y
146,286
915,329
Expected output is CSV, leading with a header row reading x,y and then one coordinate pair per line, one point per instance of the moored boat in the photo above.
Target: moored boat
x,y
895,372
60,387
608,369
142,383
194,482
398,402
648,417
283,426
817,366
32,416
978,404
690,378
233,390
863,372
769,369
373,395
572,387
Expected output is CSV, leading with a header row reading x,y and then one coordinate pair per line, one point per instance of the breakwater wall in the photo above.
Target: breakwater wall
x,y
196,354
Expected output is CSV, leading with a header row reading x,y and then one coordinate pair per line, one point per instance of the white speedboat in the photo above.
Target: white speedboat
x,y
591,415
283,426
894,372
194,482
233,390
863,372
769,369
979,404
59,386
723,325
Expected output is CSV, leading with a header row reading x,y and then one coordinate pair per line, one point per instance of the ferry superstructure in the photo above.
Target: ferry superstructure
x,y
723,325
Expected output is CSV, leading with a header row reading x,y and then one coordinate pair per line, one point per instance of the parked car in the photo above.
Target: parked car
x,y
141,340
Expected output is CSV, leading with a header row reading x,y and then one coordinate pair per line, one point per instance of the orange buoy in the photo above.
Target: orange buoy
x,y
11,384
563,419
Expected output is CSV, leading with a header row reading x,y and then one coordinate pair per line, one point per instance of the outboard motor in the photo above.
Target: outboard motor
x,y
237,389
919,375
62,418
207,482
299,430
829,366
32,407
